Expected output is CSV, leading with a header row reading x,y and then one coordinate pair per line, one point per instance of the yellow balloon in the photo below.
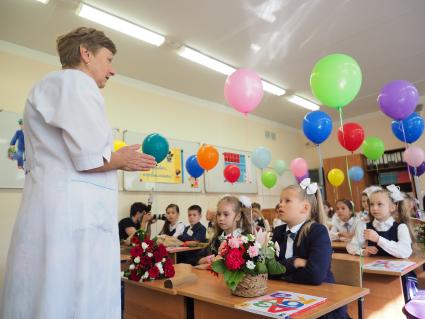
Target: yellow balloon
x,y
118,144
336,177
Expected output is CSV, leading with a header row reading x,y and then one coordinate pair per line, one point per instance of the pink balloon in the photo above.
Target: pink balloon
x,y
243,90
299,167
414,156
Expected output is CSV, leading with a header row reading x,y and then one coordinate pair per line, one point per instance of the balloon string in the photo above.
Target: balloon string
x,y
348,177
321,165
405,146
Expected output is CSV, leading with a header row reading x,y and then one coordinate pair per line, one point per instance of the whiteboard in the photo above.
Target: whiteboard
x,y
132,179
10,175
216,183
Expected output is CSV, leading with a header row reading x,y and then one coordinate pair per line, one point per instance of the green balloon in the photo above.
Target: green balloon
x,y
280,166
155,145
373,148
335,80
269,179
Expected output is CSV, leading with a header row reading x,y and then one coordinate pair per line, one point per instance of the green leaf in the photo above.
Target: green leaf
x,y
261,267
218,266
275,267
233,278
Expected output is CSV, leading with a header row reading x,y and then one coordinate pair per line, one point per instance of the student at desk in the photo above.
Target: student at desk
x,y
385,235
304,244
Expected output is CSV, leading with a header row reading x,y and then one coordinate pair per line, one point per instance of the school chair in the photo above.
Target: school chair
x,y
415,308
348,272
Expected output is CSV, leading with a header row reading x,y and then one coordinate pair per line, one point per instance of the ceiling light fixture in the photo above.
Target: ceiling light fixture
x,y
43,1
213,64
119,24
303,102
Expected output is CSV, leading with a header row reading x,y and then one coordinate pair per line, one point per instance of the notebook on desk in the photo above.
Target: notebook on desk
x,y
281,304
388,265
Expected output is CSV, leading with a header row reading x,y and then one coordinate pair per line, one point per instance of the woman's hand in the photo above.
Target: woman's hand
x,y
131,159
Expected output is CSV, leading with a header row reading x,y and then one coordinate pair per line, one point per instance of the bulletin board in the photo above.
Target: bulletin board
x,y
134,181
247,183
10,175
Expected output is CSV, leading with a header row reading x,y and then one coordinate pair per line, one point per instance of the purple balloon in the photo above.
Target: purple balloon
x,y
419,170
300,179
398,99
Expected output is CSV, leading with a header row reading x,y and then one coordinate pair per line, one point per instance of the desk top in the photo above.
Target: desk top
x,y
213,290
339,245
418,259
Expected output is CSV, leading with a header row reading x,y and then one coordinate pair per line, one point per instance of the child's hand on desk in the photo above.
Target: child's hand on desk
x,y
370,250
370,234
299,262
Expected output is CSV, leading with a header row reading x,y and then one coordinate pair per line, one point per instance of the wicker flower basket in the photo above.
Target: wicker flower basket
x,y
252,286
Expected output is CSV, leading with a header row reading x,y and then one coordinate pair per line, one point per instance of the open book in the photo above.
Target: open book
x,y
388,265
281,304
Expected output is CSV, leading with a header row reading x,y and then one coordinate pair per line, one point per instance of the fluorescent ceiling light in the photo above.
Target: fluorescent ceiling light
x,y
213,64
119,24
303,102
43,1
273,89
198,57
255,47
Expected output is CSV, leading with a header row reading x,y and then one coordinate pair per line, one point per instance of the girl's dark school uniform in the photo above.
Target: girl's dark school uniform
x,y
316,248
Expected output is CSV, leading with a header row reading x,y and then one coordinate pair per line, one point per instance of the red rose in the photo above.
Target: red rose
x,y
136,251
168,270
162,250
234,259
153,272
145,261
157,255
135,240
134,276
168,261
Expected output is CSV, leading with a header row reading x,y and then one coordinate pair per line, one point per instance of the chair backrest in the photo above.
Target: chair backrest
x,y
347,272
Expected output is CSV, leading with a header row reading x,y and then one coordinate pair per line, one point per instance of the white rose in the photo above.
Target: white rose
x,y
145,275
150,255
131,267
137,259
144,246
250,264
159,265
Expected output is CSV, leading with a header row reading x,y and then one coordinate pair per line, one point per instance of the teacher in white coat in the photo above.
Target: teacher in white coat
x,y
64,254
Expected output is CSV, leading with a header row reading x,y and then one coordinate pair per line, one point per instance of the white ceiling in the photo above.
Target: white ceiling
x,y
386,37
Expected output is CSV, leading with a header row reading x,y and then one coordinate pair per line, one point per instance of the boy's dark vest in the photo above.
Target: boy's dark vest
x,y
390,234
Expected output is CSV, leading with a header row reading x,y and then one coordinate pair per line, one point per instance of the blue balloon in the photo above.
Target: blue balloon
x,y
317,126
261,157
356,173
413,128
193,168
156,145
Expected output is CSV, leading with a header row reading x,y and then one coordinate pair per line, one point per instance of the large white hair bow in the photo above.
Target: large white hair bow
x,y
395,193
369,190
245,201
310,188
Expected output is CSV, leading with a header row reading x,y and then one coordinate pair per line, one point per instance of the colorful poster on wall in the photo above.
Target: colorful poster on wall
x,y
169,171
239,160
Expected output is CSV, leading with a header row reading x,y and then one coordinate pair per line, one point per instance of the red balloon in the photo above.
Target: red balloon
x,y
352,137
231,173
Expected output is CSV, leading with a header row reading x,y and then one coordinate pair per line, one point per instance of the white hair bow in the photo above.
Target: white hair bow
x,y
395,193
245,201
310,188
369,190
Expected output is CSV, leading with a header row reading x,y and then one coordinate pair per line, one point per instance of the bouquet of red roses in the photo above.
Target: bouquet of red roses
x,y
149,261
247,255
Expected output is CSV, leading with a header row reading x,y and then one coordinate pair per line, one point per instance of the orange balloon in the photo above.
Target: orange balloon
x,y
207,156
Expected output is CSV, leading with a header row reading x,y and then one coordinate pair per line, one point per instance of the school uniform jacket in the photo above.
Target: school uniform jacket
x,y
315,248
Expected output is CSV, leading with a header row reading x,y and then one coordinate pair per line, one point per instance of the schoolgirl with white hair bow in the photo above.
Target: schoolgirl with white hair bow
x,y
388,232
304,244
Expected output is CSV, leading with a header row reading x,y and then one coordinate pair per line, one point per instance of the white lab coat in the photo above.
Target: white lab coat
x,y
63,260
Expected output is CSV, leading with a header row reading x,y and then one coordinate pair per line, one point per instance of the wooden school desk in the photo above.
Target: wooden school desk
x,y
339,246
385,300
209,297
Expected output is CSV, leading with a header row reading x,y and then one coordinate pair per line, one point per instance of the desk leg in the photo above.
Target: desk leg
x,y
142,302
385,299
360,309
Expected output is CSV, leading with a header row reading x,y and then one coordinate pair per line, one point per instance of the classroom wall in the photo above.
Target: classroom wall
x,y
141,107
